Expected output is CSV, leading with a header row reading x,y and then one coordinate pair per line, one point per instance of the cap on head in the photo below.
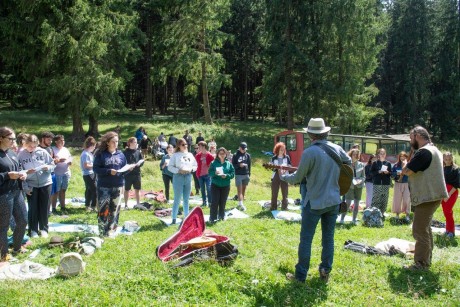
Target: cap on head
x,y
317,126
244,145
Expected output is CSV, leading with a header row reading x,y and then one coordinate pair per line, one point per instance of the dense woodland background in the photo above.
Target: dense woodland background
x,y
364,65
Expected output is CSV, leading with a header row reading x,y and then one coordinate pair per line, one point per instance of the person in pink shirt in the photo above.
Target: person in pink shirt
x,y
204,159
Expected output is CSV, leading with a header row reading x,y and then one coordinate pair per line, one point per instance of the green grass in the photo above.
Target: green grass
x,y
126,271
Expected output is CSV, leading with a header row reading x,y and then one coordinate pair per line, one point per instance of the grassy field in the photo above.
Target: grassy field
x,y
126,272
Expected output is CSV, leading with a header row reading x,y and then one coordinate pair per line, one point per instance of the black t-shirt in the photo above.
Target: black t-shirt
x,y
420,161
451,175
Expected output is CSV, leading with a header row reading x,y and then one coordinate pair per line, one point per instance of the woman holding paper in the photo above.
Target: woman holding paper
x,y
401,194
181,164
11,197
381,172
221,172
39,166
280,158
133,178
357,185
108,162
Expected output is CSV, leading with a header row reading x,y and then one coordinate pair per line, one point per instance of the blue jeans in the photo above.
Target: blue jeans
x,y
310,219
205,187
182,185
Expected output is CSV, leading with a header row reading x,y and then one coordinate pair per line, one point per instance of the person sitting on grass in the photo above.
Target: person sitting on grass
x,y
133,178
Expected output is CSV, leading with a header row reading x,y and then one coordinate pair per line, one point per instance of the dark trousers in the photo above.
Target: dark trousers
x,y
197,183
38,208
219,197
90,191
277,183
12,205
167,180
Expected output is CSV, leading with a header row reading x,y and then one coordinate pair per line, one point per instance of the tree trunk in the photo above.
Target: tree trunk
x,y
148,65
93,129
204,86
288,81
174,85
245,93
77,125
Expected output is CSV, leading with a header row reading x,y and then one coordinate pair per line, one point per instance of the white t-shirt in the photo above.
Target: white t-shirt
x,y
62,168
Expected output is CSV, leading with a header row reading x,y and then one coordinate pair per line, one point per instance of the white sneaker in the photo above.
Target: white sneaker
x,y
33,234
241,207
44,234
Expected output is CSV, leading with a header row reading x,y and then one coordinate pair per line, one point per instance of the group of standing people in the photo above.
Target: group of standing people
x,y
213,171
432,178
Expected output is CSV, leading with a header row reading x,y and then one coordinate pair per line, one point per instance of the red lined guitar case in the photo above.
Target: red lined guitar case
x,y
194,226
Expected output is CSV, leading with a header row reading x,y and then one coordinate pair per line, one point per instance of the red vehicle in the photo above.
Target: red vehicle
x,y
297,141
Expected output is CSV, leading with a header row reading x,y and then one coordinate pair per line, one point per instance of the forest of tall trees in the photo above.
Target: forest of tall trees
x,y
363,65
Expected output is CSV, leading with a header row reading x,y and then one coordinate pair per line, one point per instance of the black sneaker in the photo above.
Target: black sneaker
x,y
203,205
323,275
54,212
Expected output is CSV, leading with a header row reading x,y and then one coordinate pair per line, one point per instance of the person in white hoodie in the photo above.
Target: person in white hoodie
x,y
181,164
39,166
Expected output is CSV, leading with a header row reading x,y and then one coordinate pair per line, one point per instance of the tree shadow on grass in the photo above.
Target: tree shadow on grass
x,y
153,227
263,215
290,293
441,241
416,284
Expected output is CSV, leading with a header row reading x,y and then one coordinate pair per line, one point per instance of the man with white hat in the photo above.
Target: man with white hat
x,y
322,198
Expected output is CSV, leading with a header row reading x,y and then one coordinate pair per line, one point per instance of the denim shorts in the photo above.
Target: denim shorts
x,y
62,182
241,180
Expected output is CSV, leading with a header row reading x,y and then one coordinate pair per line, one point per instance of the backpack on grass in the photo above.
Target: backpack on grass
x,y
372,217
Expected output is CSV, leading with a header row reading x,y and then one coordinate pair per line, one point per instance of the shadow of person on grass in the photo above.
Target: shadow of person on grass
x,y
416,284
287,293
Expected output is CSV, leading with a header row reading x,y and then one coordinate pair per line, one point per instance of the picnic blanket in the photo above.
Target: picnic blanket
x,y
287,216
229,214
265,204
25,270
86,228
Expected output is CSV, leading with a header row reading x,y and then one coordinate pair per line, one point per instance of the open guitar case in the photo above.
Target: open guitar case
x,y
194,226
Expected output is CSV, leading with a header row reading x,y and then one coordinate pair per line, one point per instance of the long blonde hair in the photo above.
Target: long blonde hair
x,y
449,154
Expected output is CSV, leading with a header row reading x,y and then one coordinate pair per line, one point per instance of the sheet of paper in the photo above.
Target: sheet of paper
x,y
39,168
125,168
140,162
220,170
384,168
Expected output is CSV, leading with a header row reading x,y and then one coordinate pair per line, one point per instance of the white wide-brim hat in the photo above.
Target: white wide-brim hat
x,y
317,126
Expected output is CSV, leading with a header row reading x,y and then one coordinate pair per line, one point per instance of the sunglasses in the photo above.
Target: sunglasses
x,y
183,145
11,139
